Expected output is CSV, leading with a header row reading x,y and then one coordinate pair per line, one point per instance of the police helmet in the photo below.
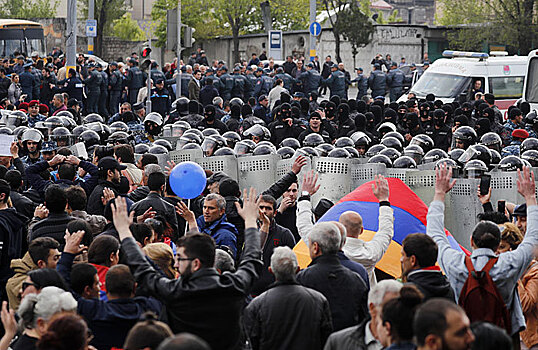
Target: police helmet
x,y
15,119
290,142
188,138
102,129
5,130
359,138
119,137
475,168
375,149
18,131
90,139
528,144
157,149
68,122
62,134
236,101
414,151
165,143
66,114
209,132
495,156
392,142
482,153
119,126
224,151
79,129
434,155
285,152
155,118
267,143
424,141
511,163
392,153
386,127
32,135
352,152
339,153
92,118
192,146
449,162
531,156
405,162
182,106
466,134
141,148
307,151
177,129
313,140
243,147
531,118
49,146
491,140
231,138
263,150
380,158
211,144
395,134
324,149
196,132
343,142
257,130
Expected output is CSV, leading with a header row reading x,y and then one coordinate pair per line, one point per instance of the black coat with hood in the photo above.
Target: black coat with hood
x,y
432,283
346,126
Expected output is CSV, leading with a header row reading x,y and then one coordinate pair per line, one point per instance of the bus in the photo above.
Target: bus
x,y
530,91
19,36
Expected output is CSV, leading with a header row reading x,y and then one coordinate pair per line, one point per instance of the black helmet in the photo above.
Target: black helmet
x,y
466,134
449,162
395,134
405,162
16,118
259,131
192,146
511,163
324,149
339,153
243,147
414,151
211,144
424,141
32,135
90,139
66,114
475,168
210,132
267,143
178,128
231,138
224,151
380,158
236,101
492,140
375,149
68,122
392,142
386,127
158,149
195,132
119,126
391,153
4,130
352,152
261,150
531,118
528,144
307,151
62,135
182,106
359,138
290,142
188,138
495,156
434,155
344,142
119,137
165,143
141,148
531,156
285,152
101,129
92,118
482,153
79,129
313,140
455,154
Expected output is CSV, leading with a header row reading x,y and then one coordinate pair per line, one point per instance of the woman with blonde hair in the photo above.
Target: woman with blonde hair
x,y
163,256
511,237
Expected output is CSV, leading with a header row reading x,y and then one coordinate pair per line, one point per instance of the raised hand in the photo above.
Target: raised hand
x,y
148,214
298,164
443,182
169,166
108,195
526,185
122,219
249,211
380,187
72,242
310,181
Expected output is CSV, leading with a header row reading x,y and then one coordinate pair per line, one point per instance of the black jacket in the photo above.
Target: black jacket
x,y
351,338
162,208
281,130
288,316
140,193
278,188
345,290
206,304
278,236
23,204
288,219
12,241
52,226
95,206
433,284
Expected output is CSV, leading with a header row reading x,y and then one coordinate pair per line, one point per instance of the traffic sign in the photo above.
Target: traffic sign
x,y
315,28
91,28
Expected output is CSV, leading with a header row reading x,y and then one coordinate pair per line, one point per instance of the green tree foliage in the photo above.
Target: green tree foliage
x,y
510,22
28,9
355,27
127,28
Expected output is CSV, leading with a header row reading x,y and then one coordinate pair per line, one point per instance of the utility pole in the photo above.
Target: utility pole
x,y
312,37
148,83
91,15
178,77
71,42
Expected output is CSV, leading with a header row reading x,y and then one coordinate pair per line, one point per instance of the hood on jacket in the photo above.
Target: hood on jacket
x,y
433,284
24,265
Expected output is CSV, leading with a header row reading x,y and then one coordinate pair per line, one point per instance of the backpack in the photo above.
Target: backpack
x,y
481,299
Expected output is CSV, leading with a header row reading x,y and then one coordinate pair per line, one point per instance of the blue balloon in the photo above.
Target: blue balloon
x,y
188,180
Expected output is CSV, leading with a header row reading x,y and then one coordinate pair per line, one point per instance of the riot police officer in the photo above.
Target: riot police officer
x,y
264,84
311,79
103,96
377,81
115,84
226,84
240,83
286,78
73,86
362,83
93,88
134,80
395,80
336,82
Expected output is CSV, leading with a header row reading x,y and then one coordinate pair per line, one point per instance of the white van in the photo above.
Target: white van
x,y
451,78
530,90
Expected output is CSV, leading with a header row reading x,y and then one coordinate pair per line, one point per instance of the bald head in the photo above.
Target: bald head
x,y
352,221
343,233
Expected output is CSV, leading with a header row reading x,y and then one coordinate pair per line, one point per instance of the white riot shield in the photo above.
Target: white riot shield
x,y
257,171
187,155
362,173
225,164
334,178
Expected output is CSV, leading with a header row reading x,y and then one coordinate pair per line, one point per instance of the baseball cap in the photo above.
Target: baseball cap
x,y
520,210
310,64
262,97
107,163
138,106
